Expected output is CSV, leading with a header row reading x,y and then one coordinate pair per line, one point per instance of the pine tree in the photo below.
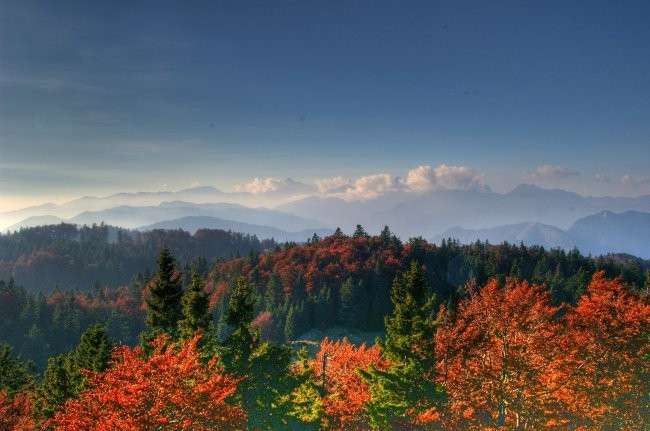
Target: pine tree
x,y
405,393
360,232
57,386
196,314
290,325
15,375
94,350
164,308
265,366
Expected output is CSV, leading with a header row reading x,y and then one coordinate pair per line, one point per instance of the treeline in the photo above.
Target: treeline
x,y
67,256
334,281
346,280
495,355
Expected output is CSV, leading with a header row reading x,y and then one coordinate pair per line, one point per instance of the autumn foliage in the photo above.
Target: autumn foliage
x,y
169,390
508,358
16,413
344,393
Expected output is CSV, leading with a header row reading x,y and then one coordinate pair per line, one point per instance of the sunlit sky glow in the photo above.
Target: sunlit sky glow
x,y
103,97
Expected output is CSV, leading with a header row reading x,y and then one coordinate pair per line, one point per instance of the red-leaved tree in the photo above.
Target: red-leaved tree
x,y
344,392
16,413
608,381
497,353
169,390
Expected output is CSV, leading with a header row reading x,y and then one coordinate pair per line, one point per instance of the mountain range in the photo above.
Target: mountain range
x,y
549,217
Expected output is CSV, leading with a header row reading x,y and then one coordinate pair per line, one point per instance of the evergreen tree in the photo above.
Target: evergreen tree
x,y
265,366
407,388
14,373
290,324
57,386
94,350
196,314
352,302
93,353
164,307
360,232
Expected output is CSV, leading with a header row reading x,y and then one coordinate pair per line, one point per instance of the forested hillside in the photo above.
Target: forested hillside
x,y
474,337
68,256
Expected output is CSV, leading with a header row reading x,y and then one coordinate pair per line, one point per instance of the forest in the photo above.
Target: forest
x,y
476,336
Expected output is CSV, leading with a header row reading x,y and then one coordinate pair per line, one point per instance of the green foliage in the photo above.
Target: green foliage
x,y
164,308
58,385
411,328
196,313
407,387
15,374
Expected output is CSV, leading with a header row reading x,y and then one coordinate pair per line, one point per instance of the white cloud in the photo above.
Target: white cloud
x,y
368,187
275,186
425,178
549,172
601,177
332,184
630,181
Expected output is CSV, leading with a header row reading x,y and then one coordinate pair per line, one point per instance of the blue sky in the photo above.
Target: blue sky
x,y
101,97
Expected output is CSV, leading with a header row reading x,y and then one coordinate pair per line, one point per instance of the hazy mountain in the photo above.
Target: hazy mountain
x,y
607,232
131,217
529,233
35,221
406,213
601,233
196,195
427,214
192,224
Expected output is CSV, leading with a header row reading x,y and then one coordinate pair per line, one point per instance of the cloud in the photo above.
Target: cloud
x,y
370,187
601,178
274,186
425,178
634,182
332,184
549,172
421,179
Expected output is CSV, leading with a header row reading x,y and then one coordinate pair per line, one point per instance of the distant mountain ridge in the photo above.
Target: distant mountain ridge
x,y
193,223
600,233
408,214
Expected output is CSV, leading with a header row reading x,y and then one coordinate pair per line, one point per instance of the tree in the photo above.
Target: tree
x,y
498,358
16,412
93,353
609,385
164,308
263,367
57,386
169,389
360,232
196,313
15,375
406,395
344,393
94,350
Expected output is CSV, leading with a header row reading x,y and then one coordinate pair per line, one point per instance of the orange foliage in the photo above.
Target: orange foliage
x,y
170,390
16,412
345,392
508,358
609,383
496,355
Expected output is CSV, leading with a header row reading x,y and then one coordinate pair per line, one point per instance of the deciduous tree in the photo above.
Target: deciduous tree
x,y
169,390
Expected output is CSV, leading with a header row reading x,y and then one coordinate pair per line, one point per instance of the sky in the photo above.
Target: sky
x,y
104,97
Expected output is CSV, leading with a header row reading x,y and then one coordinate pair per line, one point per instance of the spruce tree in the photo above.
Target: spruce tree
x,y
196,314
94,350
164,308
407,388
265,366
15,374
